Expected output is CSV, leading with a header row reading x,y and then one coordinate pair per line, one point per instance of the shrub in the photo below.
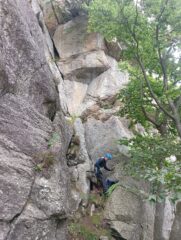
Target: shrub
x,y
156,159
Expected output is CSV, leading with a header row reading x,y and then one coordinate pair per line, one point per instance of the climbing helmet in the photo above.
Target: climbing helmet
x,y
108,155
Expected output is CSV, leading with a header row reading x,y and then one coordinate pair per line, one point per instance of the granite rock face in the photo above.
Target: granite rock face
x,y
60,11
82,183
175,232
107,85
102,137
86,66
91,82
72,38
164,218
51,67
33,186
78,74
130,217
89,73
50,54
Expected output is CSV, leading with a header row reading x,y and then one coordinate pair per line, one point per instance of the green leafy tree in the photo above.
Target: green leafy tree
x,y
150,32
157,160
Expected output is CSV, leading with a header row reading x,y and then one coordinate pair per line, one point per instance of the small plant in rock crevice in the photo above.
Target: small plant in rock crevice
x,y
96,219
72,119
54,139
78,230
44,160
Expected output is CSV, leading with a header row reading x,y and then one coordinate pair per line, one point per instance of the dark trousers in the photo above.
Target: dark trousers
x,y
100,178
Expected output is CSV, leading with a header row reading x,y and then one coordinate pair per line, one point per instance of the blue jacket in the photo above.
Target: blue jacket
x,y
101,163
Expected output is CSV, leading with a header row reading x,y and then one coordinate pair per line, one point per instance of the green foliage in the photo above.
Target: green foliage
x,y
54,139
72,119
158,160
138,104
86,227
96,219
149,32
79,230
137,100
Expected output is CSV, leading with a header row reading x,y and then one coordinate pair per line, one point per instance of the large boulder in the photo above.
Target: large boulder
x,y
107,85
130,218
75,92
103,137
72,38
86,66
33,180
102,92
92,109
78,74
60,11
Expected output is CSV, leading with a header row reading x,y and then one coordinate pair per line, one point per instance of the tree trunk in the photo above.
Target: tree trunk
x,y
178,126
177,119
163,130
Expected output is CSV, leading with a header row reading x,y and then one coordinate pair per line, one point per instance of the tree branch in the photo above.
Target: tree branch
x,y
176,117
163,67
136,18
162,10
151,90
178,102
138,58
149,118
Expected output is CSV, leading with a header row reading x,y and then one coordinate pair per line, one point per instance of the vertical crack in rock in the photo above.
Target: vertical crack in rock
x,y
13,220
54,11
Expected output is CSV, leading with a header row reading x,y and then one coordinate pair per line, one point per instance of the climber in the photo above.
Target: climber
x,y
101,163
